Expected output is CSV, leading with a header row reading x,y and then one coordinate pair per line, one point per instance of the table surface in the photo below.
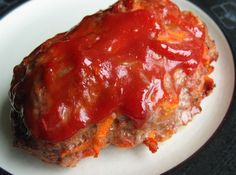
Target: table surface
x,y
218,157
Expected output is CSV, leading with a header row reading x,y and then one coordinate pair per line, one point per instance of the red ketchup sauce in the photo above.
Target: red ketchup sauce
x,y
111,62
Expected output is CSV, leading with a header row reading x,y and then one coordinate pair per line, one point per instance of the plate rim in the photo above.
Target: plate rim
x,y
222,124
12,7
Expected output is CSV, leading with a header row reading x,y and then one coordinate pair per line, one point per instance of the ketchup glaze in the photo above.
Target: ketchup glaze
x,y
113,61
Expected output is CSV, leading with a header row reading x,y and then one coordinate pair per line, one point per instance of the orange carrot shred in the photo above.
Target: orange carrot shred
x,y
76,149
92,147
101,134
152,142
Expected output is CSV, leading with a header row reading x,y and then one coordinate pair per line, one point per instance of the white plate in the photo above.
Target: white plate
x,y
34,22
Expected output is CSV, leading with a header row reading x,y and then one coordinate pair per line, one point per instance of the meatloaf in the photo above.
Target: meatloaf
x,y
128,75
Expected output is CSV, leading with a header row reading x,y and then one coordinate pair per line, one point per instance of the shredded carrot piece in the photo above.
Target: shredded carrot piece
x,y
101,134
93,146
124,143
152,142
172,36
167,108
206,57
76,149
88,153
205,51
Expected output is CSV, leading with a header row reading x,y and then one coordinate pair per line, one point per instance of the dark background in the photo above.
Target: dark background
x,y
218,156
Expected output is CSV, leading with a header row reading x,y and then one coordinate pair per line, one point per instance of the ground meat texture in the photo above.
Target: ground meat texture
x,y
124,76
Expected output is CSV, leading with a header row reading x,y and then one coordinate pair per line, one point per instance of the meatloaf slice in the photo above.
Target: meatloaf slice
x,y
124,76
